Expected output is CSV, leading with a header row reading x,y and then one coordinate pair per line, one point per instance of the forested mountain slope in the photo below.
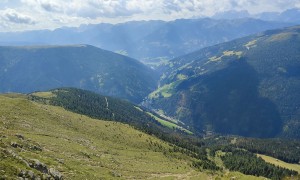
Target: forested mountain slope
x,y
248,86
107,108
36,68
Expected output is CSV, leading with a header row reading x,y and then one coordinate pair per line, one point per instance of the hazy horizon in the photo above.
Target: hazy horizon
x,y
21,15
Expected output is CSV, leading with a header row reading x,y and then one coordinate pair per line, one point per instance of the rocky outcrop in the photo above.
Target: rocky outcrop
x,y
36,164
55,174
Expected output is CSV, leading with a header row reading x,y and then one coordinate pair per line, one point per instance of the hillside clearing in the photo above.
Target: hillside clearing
x,y
280,163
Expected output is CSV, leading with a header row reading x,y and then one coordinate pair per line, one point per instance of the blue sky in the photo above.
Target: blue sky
x,y
16,15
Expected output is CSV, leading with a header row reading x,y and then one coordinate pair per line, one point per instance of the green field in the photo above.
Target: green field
x,y
44,94
169,124
280,163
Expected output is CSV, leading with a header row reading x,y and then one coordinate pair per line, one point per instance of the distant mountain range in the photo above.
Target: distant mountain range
x,y
238,87
148,41
289,15
248,86
38,68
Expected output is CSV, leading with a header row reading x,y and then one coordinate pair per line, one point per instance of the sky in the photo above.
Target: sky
x,y
19,15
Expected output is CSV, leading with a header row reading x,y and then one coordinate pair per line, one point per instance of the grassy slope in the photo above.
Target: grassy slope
x,y
280,163
84,148
169,124
115,110
97,147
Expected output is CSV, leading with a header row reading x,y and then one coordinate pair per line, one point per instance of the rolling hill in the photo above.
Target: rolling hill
x,y
36,68
45,141
108,108
249,86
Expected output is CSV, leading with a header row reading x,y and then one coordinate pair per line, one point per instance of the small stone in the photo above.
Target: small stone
x,y
46,176
116,174
61,161
16,145
30,174
55,174
3,136
22,173
36,164
11,152
36,148
20,136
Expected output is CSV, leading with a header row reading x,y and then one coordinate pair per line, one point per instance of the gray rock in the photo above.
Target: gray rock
x,y
116,174
37,178
16,145
46,176
55,174
22,173
20,136
61,161
30,174
36,164
36,148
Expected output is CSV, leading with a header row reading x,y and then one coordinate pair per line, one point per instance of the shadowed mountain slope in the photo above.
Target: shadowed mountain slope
x,y
27,69
248,87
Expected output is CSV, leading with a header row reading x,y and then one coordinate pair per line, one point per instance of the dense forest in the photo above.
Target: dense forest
x,y
248,163
284,149
236,159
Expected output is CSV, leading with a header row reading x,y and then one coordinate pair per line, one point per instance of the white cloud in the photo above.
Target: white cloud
x,y
12,16
37,14
51,6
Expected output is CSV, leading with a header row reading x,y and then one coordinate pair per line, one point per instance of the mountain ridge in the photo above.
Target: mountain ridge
x,y
34,68
148,41
210,87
